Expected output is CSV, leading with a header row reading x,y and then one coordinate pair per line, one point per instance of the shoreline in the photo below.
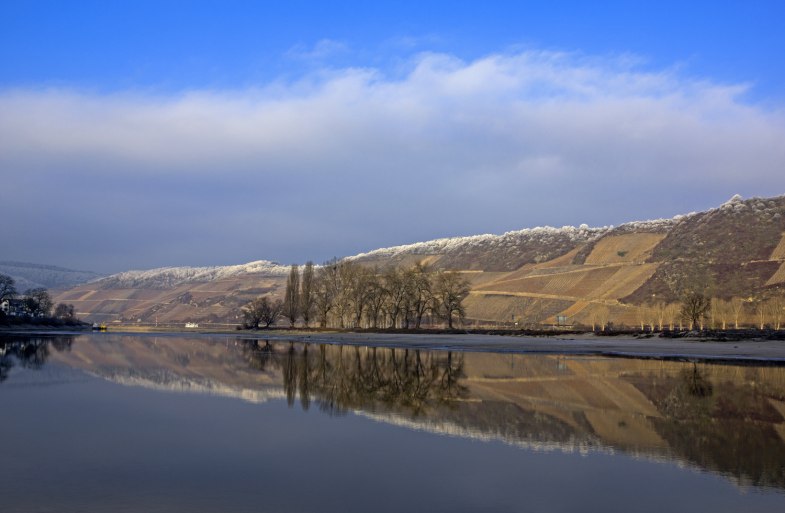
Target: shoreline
x,y
33,328
771,352
681,349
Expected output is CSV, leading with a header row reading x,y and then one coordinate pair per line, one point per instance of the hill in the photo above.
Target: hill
x,y
29,276
584,274
176,294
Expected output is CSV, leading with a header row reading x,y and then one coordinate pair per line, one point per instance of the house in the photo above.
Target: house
x,y
14,307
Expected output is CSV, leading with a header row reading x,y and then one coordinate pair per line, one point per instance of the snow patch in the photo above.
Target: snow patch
x,y
164,277
652,225
538,235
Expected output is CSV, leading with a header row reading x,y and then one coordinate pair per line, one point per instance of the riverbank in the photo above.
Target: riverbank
x,y
684,348
772,351
43,328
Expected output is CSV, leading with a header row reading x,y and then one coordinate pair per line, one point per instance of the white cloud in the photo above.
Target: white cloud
x,y
499,136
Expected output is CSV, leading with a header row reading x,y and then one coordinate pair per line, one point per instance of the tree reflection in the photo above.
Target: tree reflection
x,y
341,378
29,352
6,364
290,374
304,378
259,357
723,425
690,395
696,382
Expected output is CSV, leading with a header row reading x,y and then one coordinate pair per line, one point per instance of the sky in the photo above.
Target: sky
x,y
144,134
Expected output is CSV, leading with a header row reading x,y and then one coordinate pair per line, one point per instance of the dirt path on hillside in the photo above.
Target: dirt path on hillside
x,y
540,295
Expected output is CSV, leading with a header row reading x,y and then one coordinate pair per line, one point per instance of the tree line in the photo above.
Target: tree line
x,y
699,311
345,294
35,302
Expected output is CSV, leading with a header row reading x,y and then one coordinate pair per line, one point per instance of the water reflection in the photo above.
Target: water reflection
x,y
724,418
29,352
728,419
345,378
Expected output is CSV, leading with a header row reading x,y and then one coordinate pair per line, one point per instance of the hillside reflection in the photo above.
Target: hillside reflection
x,y
724,418
728,419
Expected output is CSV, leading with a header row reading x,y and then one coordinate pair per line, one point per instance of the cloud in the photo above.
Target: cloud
x,y
345,160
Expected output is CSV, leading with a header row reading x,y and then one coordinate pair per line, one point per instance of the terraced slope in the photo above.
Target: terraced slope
x,y
175,295
734,250
778,278
613,267
737,249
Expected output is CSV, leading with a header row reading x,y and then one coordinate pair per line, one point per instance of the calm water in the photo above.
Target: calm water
x,y
102,422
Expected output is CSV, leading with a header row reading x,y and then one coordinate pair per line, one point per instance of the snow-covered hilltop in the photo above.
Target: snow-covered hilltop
x,y
510,250
487,252
540,234
167,277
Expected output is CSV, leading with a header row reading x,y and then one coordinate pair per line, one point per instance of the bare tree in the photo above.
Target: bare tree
x,y
737,310
761,311
252,312
652,316
65,312
450,289
660,312
270,315
695,306
7,287
376,299
291,300
360,290
769,307
600,316
348,292
407,310
671,313
326,291
421,290
307,297
37,302
713,314
777,310
721,312
262,310
642,314
395,285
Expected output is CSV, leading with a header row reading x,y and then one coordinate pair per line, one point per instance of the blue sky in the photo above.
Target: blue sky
x,y
222,132
173,45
